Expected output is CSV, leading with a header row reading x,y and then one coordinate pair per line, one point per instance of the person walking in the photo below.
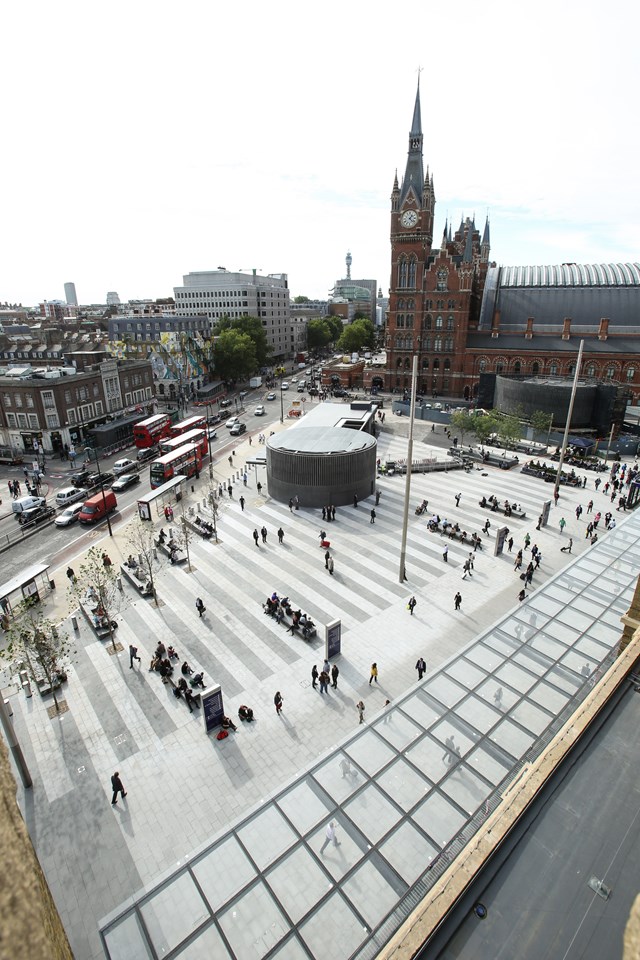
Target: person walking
x,y
578,511
117,787
355,499
373,515
290,505
377,497
327,557
314,676
324,513
133,655
527,541
510,544
277,700
241,502
517,565
329,837
521,595
458,495
539,523
457,600
280,535
487,526
466,570
200,607
230,491
449,748
259,487
590,506
71,575
421,667
255,536
445,554
360,709
330,565
556,497
562,524
374,673
335,673
333,512
411,605
263,534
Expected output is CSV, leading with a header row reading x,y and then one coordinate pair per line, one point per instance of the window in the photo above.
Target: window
x,y
402,272
18,400
436,365
11,421
427,322
630,373
6,399
516,367
400,320
425,364
410,321
449,323
401,304
71,415
448,344
535,368
451,305
33,421
47,400
29,400
437,344
610,373
98,406
553,369
52,421
441,279
22,421
412,272
439,323
426,343
447,365
591,370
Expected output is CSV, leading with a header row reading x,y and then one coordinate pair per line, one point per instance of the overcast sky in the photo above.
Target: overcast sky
x,y
143,140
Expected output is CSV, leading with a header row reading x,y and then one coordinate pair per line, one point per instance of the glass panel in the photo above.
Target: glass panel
x,y
478,714
468,790
371,752
465,673
501,697
371,891
266,836
338,779
429,758
291,950
490,659
126,941
334,932
222,872
439,819
515,677
306,804
546,696
444,690
408,852
173,913
512,739
421,710
397,729
298,883
531,717
253,924
341,857
487,762
372,813
404,784
209,944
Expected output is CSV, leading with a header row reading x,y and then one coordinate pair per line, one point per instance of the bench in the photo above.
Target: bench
x,y
450,534
168,681
142,586
164,549
500,508
103,633
307,633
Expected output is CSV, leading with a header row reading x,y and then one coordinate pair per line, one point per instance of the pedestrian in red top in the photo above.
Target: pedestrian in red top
x,y
278,702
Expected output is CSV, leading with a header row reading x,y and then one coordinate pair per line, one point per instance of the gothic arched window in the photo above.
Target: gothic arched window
x,y
535,368
400,320
449,323
407,363
437,344
442,277
412,272
448,344
438,323
425,364
447,365
451,305
410,321
402,272
427,322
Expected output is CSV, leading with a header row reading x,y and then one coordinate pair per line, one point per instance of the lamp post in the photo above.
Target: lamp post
x,y
407,489
90,454
281,404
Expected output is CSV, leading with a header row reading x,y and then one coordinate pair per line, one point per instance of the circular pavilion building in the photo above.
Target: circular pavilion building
x,y
321,465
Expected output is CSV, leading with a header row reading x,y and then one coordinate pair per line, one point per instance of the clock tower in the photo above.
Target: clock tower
x,y
412,211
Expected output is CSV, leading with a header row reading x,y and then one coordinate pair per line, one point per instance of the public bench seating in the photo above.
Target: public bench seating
x,y
164,549
495,506
142,586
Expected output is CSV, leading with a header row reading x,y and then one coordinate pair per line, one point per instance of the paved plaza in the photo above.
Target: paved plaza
x,y
185,788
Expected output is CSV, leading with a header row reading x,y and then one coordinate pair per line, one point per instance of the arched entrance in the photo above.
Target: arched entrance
x,y
467,393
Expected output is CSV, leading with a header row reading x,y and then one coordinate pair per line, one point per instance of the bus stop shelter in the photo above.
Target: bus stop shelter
x,y
158,498
31,584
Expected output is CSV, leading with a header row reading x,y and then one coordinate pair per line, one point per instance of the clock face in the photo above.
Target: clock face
x,y
409,218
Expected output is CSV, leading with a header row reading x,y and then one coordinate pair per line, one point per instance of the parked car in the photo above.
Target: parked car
x,y
225,403
231,422
69,495
124,466
284,385
238,428
35,515
68,516
148,453
94,479
259,410
79,479
26,503
125,481
271,396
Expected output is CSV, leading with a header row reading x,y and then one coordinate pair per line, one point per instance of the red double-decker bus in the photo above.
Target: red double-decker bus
x,y
185,460
191,423
199,437
151,431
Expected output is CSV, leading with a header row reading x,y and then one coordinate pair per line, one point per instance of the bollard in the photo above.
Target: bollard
x,y
74,621
119,583
155,553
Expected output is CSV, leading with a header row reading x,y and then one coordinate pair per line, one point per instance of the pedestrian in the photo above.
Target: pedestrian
x,y
230,461
457,600
106,560
256,537
329,837
117,787
333,512
556,497
497,697
355,499
324,681
280,535
445,554
326,666
220,492
486,527
539,523
133,655
458,495
377,497
324,513
71,575
241,502
373,515
200,607
335,673
277,700
538,559
259,487
527,541
597,482
449,748
330,565
263,534
327,557
510,544
521,595
290,505
230,490
411,605
360,709
590,506
578,512
562,524
421,667
374,673
244,478
314,676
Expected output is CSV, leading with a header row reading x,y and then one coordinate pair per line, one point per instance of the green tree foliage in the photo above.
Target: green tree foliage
x,y
357,335
541,422
140,537
509,430
235,355
40,645
462,422
300,299
318,334
484,426
251,327
104,580
336,326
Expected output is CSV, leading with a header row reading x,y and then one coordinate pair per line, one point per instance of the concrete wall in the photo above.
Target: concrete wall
x,y
321,479
550,397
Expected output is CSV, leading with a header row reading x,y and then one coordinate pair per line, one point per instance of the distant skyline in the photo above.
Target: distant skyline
x,y
162,140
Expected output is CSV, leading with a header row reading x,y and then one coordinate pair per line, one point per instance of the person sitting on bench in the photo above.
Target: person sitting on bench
x,y
160,649
131,562
198,680
161,537
172,653
245,713
186,669
191,700
279,615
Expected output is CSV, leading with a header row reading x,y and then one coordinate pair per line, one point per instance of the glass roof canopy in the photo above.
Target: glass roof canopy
x,y
406,792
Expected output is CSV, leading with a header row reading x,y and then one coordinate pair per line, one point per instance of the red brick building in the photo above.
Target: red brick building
x,y
463,315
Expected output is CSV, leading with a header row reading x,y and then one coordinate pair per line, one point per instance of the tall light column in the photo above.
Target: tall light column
x,y
569,415
407,487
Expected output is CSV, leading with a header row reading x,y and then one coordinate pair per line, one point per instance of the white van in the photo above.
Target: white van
x,y
26,503
69,495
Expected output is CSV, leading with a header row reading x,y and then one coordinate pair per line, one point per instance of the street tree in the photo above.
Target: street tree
x,y
484,426
41,645
541,423
102,580
336,326
357,335
251,327
319,333
509,430
140,537
235,355
462,422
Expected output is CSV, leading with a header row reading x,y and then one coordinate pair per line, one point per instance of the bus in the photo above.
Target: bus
x,y
185,460
151,431
191,423
199,437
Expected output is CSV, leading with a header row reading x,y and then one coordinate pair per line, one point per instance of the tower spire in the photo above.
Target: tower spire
x,y
414,175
